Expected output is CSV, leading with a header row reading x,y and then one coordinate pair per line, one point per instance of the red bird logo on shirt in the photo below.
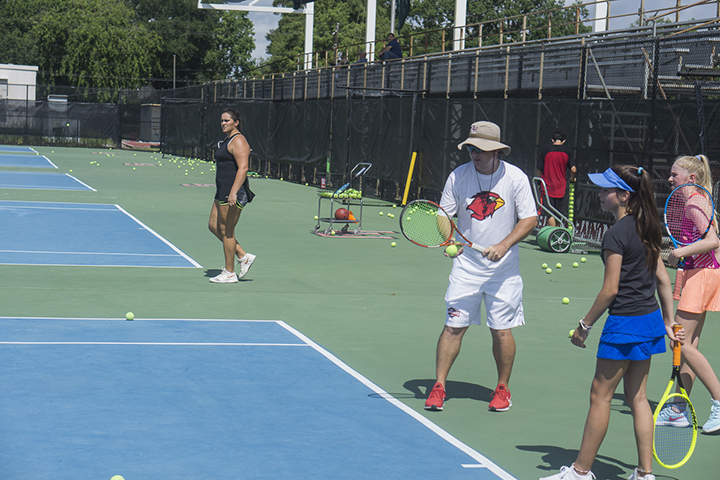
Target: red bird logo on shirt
x,y
484,204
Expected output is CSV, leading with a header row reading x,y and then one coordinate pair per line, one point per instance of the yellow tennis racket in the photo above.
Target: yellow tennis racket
x,y
675,431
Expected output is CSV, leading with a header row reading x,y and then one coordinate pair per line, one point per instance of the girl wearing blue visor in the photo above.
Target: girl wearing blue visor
x,y
636,325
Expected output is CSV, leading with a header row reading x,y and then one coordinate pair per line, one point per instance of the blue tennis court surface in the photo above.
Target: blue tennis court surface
x,y
41,181
204,399
28,161
16,149
82,234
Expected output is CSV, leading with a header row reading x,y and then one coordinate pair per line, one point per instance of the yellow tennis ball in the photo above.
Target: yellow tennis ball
x,y
570,333
576,265
583,259
451,250
566,300
548,270
393,244
130,316
117,477
558,265
544,265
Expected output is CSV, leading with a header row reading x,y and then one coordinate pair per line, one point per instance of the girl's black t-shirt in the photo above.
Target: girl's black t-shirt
x,y
638,284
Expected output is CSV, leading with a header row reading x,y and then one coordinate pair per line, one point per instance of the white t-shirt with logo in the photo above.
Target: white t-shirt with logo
x,y
488,207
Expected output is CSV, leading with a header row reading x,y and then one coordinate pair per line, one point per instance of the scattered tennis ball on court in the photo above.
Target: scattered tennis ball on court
x,y
558,265
566,300
544,265
451,250
570,333
130,316
548,270
393,244
583,259
117,477
316,217
381,214
576,265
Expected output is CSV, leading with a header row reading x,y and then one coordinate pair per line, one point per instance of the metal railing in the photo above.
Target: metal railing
x,y
518,29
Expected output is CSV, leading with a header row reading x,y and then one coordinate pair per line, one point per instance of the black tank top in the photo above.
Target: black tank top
x,y
226,165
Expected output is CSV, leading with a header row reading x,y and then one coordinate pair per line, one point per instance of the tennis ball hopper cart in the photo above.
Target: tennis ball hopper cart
x,y
344,197
563,238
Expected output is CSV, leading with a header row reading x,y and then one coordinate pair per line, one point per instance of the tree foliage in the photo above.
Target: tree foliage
x,y
207,44
118,44
424,21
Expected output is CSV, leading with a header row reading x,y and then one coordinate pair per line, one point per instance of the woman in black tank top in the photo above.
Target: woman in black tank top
x,y
232,194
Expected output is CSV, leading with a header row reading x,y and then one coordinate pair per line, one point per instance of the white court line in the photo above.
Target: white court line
x,y
160,238
49,206
181,344
80,182
113,254
50,161
111,319
481,459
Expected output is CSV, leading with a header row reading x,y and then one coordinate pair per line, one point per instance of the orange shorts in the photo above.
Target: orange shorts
x,y
701,291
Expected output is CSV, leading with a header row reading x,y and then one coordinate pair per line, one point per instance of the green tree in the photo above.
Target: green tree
x,y
205,44
80,43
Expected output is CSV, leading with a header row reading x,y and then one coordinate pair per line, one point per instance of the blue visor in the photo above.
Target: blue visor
x,y
609,179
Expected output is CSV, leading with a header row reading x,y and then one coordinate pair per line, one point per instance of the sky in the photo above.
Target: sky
x,y
264,22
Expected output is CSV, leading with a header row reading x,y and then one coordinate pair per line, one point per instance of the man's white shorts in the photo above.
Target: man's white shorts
x,y
503,302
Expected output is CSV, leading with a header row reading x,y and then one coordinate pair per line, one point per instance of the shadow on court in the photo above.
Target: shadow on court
x,y
421,388
553,458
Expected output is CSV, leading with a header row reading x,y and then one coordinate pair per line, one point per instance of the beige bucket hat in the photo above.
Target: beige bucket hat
x,y
486,137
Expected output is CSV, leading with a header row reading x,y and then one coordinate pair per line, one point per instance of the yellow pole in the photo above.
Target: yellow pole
x,y
409,178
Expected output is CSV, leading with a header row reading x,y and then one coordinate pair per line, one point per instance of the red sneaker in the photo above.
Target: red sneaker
x,y
436,400
502,400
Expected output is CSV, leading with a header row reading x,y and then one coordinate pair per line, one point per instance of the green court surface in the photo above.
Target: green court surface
x,y
378,308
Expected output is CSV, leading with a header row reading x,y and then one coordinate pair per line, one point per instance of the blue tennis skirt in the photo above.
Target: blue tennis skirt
x,y
632,338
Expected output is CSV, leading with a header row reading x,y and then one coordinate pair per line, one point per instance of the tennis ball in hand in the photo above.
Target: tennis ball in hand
x,y
451,250
130,316
570,333
566,300
544,265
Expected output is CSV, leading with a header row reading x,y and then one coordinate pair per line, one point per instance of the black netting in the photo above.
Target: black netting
x,y
58,123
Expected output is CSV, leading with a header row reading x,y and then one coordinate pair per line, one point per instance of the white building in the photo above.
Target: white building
x,y
17,82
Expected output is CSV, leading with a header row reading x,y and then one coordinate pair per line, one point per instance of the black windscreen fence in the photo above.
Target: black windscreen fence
x,y
330,136
58,123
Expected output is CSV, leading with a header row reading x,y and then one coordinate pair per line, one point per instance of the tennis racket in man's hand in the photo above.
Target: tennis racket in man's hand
x,y
689,214
427,224
675,421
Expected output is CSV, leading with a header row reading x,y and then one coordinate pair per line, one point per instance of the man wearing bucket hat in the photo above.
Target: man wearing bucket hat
x,y
495,209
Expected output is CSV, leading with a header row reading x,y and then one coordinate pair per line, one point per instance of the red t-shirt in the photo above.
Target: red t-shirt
x,y
553,162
